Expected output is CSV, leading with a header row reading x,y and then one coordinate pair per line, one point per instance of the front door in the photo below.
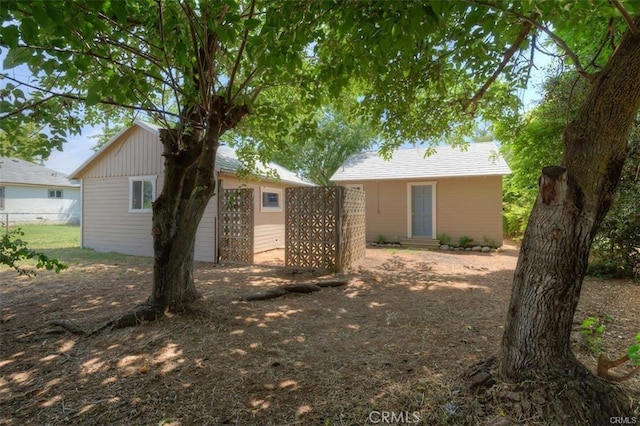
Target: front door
x,y
422,211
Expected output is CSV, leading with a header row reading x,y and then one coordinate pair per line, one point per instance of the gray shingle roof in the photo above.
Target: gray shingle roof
x,y
228,161
480,159
20,172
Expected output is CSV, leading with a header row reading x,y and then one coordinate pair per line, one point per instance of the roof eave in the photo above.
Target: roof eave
x,y
369,178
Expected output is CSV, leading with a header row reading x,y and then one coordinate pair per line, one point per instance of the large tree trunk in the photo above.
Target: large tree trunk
x,y
189,184
573,200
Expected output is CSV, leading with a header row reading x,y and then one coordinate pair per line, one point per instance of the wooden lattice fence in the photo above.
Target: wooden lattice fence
x,y
324,227
236,225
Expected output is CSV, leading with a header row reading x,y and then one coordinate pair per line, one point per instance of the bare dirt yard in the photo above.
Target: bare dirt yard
x,y
397,339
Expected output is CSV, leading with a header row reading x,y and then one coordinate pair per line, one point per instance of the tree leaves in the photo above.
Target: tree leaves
x,y
16,57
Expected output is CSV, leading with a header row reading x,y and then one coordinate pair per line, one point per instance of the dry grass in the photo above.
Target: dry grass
x,y
396,339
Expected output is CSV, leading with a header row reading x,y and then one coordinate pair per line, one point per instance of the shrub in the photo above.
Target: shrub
x,y
465,241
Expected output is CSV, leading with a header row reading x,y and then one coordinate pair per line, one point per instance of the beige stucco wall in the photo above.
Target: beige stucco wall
x,y
465,206
107,224
269,226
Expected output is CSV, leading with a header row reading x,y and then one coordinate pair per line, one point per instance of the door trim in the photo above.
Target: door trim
x,y
433,206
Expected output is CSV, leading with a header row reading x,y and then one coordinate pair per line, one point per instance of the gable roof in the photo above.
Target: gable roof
x,y
20,172
226,158
479,159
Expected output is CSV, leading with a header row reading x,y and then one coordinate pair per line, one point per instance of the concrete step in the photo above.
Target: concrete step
x,y
420,243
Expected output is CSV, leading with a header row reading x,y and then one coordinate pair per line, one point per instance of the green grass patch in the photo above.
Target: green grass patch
x,y
44,237
62,242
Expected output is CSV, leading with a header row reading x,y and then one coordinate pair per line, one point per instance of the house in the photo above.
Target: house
x,y
120,181
30,193
416,197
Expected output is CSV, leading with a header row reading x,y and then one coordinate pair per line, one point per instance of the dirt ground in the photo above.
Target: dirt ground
x,y
395,339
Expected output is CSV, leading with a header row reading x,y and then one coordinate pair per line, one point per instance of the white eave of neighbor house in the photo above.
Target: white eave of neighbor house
x,y
20,172
226,158
479,159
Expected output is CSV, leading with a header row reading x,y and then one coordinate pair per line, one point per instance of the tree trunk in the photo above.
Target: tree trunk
x,y
189,184
573,199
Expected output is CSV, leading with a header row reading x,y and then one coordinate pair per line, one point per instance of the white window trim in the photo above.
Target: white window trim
x,y
278,191
132,179
55,191
433,207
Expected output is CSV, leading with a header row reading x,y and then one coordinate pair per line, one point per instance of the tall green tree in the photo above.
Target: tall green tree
x,y
534,140
336,136
430,66
195,67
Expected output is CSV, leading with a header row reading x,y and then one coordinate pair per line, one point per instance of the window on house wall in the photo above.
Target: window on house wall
x,y
55,193
271,199
142,192
1,197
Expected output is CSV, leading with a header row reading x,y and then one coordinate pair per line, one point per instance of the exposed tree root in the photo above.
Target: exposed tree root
x,y
308,287
69,326
142,314
584,400
605,365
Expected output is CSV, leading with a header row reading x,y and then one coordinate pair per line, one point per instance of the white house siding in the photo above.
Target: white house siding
x,y
26,203
269,226
107,223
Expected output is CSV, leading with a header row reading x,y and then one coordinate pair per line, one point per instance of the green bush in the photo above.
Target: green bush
x,y
13,250
464,241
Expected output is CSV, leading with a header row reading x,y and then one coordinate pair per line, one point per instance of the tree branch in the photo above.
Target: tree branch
x,y
526,28
79,98
556,39
236,66
92,54
628,19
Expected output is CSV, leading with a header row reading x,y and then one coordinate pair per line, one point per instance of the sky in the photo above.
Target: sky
x,y
75,152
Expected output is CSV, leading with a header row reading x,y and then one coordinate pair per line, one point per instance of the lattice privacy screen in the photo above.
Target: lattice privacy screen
x,y
324,227
236,225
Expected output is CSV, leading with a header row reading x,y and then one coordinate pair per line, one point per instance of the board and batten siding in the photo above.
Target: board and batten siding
x,y
268,226
107,224
465,206
137,153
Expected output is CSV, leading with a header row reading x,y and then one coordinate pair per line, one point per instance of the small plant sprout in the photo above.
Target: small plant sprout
x,y
592,330
634,351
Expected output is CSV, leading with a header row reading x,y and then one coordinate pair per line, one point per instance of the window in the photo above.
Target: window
x,y
142,192
1,197
271,200
55,193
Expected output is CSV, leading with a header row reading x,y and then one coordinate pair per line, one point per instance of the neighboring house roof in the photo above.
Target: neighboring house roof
x,y
226,158
20,172
479,159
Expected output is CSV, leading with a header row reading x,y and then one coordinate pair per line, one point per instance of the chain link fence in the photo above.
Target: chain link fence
x,y
12,219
